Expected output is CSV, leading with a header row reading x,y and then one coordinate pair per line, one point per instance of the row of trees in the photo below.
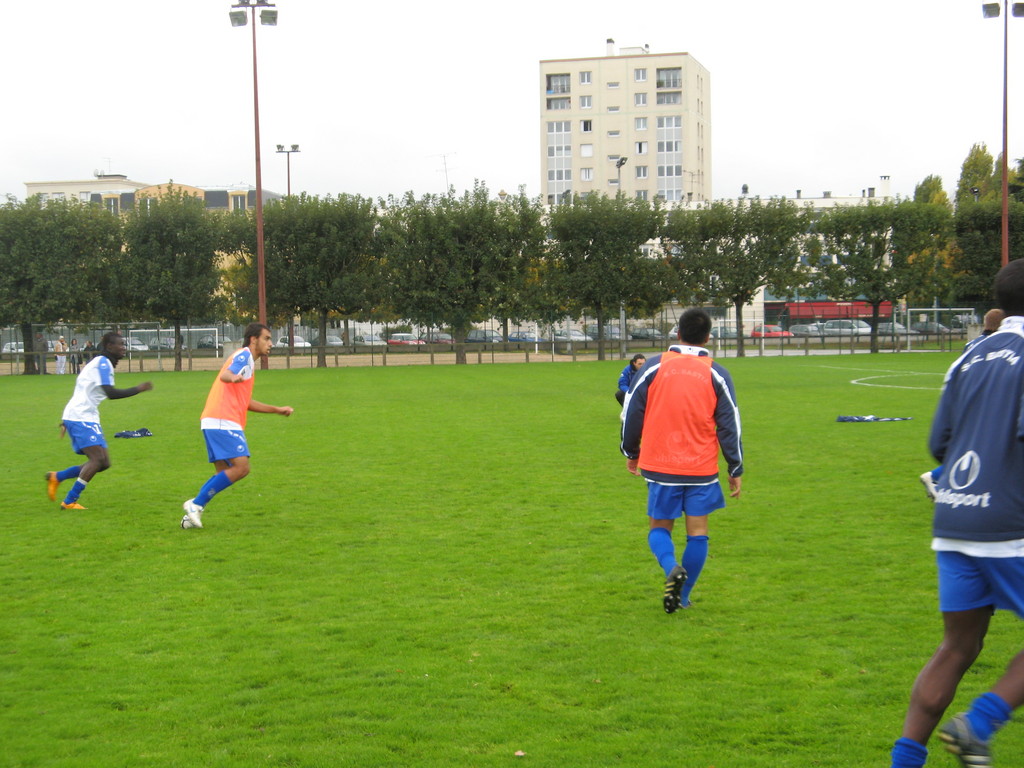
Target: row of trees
x,y
451,261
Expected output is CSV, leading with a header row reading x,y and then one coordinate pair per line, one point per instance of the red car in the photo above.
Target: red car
x,y
401,339
769,332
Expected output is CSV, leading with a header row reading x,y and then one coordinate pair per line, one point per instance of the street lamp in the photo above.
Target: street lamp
x,y
618,169
288,152
990,11
268,17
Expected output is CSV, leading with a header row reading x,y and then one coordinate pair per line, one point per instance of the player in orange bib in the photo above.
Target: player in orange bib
x,y
223,420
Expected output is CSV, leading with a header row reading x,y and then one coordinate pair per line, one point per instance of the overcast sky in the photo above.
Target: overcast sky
x,y
388,97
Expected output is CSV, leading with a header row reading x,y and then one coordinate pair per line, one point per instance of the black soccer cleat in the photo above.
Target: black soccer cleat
x,y
673,586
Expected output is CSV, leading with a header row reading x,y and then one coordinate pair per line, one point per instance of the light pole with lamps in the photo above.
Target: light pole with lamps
x,y
239,18
618,170
288,152
991,10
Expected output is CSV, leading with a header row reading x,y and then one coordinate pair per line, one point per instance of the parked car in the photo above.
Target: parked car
x,y
648,334
769,332
929,327
164,344
611,333
847,328
297,342
484,336
14,346
403,340
808,329
207,342
722,332
437,337
526,337
329,341
895,329
571,335
368,340
133,344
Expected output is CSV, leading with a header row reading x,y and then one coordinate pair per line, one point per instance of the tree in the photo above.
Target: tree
x,y
726,253
597,244
978,252
317,250
172,246
930,191
448,259
879,252
976,173
54,264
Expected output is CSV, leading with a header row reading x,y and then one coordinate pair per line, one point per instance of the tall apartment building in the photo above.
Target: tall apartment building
x,y
633,121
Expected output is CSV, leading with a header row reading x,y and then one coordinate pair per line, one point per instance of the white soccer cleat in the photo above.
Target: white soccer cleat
x,y
929,486
193,515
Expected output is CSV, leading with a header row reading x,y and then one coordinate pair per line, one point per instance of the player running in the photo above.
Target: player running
x,y
81,419
223,420
680,409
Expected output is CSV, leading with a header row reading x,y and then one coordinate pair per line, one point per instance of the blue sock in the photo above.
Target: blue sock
x,y
211,488
907,753
937,473
988,713
67,474
660,542
694,557
76,491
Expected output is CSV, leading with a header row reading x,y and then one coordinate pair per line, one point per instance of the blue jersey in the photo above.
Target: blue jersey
x,y
978,434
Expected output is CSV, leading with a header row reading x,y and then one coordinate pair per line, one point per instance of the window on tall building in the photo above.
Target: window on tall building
x,y
586,126
237,201
112,203
57,196
558,84
670,77
561,102
640,123
586,150
669,97
640,75
585,78
641,147
639,99
586,174
641,194
641,171
586,102
668,146
613,109
613,84
613,134
84,197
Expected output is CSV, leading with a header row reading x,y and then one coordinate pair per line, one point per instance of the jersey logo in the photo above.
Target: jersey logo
x,y
965,470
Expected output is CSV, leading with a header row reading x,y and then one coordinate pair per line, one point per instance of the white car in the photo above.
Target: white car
x,y
369,340
133,344
298,342
14,346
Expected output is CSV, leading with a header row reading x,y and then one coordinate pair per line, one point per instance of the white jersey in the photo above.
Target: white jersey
x,y
84,403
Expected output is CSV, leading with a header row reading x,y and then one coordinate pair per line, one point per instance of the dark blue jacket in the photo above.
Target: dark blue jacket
x,y
978,434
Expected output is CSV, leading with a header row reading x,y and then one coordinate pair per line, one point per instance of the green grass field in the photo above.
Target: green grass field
x,y
441,566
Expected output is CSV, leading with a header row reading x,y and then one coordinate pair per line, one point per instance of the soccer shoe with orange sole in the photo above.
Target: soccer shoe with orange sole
x,y
51,485
72,505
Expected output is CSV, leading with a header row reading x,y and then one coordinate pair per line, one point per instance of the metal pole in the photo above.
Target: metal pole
x,y
261,274
1005,244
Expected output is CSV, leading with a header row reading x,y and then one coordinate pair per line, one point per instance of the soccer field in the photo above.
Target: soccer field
x,y
447,566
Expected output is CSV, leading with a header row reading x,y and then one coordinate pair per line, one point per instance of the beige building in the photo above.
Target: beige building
x,y
631,120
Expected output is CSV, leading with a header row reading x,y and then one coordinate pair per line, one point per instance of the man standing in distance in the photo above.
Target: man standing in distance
x,y
81,419
679,411
978,535
223,420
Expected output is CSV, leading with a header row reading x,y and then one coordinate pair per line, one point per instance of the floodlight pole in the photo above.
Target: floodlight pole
x,y
269,18
288,153
991,10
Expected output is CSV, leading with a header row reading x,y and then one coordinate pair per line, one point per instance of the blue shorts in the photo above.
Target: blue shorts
x,y
225,444
967,582
83,434
669,502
